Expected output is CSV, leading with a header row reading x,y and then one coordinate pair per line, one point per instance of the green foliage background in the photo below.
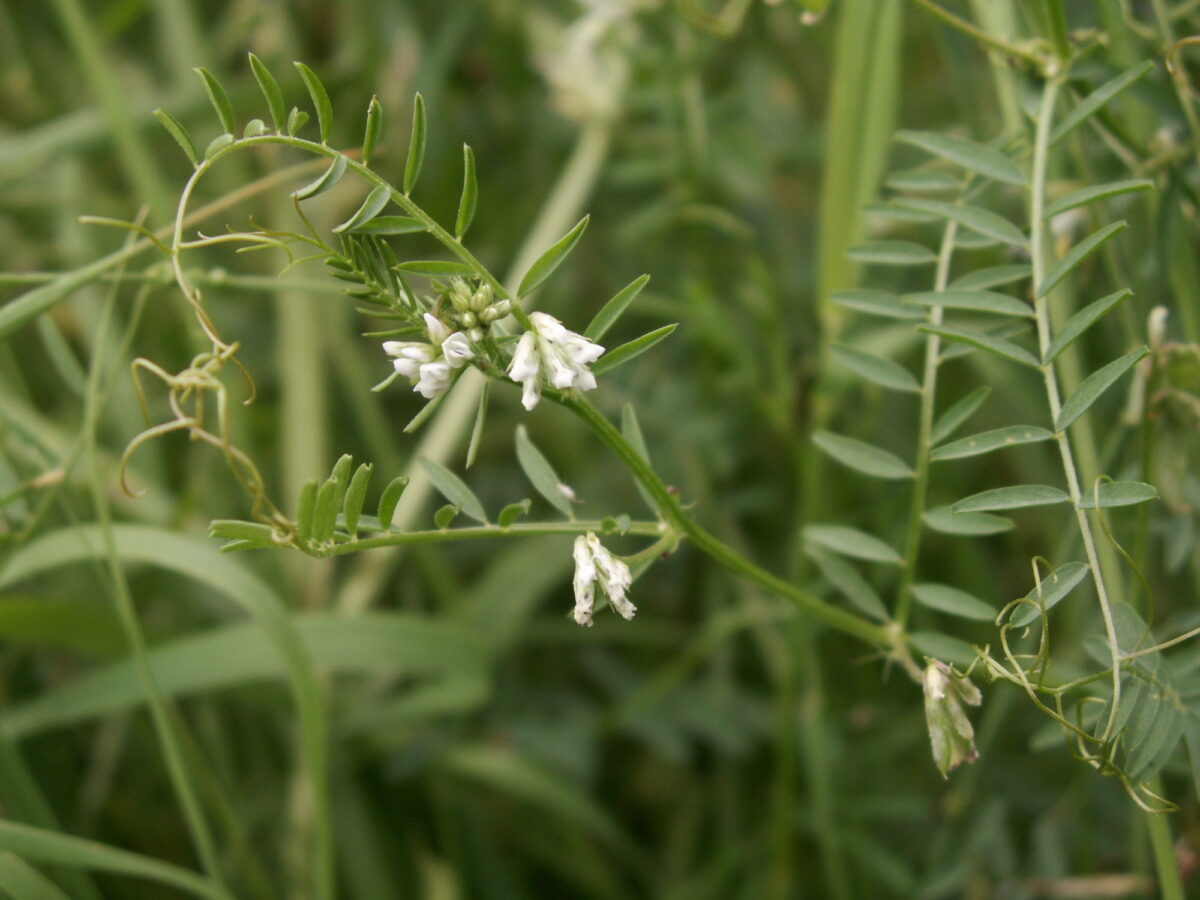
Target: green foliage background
x,y
481,744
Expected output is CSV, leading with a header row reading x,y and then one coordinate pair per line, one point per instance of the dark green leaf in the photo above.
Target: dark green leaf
x,y
454,489
972,301
941,519
990,343
390,225
388,500
325,515
994,276
876,303
372,130
976,218
1096,99
1096,192
1082,321
1094,386
435,268
942,647
852,542
628,351
445,515
892,253
218,98
305,510
613,309
270,91
356,496
957,414
480,421
883,372
469,197
320,99
176,130
1117,493
296,120
968,154
1076,255
1015,497
1053,588
512,512
217,144
416,145
862,457
541,474
988,441
552,258
371,207
954,602
846,579
325,180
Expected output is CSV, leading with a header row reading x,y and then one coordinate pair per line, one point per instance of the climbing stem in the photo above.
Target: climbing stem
x,y
933,346
1039,247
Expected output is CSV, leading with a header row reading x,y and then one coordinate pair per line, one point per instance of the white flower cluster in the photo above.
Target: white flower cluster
x,y
429,366
552,352
594,563
950,733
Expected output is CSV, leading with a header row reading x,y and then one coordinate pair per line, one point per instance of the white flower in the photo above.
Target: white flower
x,y
409,356
457,350
438,331
552,352
594,563
428,366
434,379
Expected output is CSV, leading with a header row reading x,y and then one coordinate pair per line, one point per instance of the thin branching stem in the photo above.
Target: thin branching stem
x,y
1039,246
933,348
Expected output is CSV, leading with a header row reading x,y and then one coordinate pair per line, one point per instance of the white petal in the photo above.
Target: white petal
x,y
457,349
435,378
438,332
409,368
549,326
531,393
581,350
524,365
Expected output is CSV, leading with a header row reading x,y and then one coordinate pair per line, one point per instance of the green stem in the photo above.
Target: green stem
x,y
988,40
1170,885
480,532
675,516
1056,23
1038,245
933,347
167,725
1179,76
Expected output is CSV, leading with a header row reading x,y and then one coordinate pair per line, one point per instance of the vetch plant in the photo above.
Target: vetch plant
x,y
1013,371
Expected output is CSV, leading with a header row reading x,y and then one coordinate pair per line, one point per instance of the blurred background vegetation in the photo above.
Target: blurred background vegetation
x,y
482,745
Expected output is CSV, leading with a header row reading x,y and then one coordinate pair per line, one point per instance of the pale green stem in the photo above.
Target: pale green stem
x,y
1040,264
933,348
478,532
675,516
1170,885
166,725
988,40
1179,76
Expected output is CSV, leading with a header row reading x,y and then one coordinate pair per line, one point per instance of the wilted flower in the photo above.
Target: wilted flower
x,y
950,731
552,352
429,365
594,563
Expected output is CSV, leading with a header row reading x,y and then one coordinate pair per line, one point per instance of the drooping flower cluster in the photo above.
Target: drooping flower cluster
x,y
594,563
550,351
950,731
429,365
